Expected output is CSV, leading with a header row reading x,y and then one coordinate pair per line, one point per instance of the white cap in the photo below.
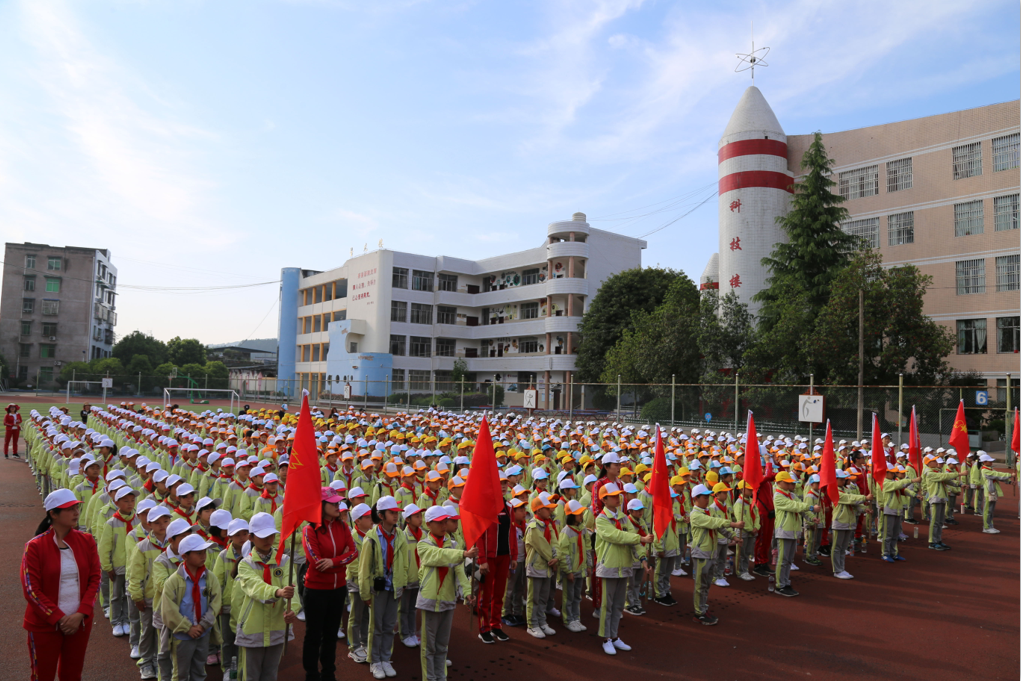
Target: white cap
x,y
157,512
635,505
387,503
179,526
203,502
185,490
589,478
359,511
567,483
700,490
144,505
61,498
434,513
123,492
221,518
192,543
610,457
262,525
272,477
410,510
237,525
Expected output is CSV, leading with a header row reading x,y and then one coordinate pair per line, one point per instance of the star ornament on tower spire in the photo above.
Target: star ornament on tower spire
x,y
748,62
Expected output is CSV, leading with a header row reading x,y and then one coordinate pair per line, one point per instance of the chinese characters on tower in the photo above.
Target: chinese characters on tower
x,y
735,244
735,206
735,281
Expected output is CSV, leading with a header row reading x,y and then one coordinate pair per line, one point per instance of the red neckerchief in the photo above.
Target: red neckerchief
x,y
638,526
202,532
95,485
222,543
443,570
417,534
126,521
432,495
149,485
273,500
785,493
332,467
252,485
196,590
390,540
410,488
722,508
581,546
547,530
226,476
186,516
616,520
203,468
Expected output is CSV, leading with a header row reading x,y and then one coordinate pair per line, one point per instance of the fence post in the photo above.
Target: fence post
x,y
366,396
570,395
386,392
494,397
900,409
737,399
462,392
618,397
861,358
811,391
139,383
673,397
1008,431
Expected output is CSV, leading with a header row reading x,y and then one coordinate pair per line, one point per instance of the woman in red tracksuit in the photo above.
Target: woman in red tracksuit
x,y
329,547
12,429
498,550
60,576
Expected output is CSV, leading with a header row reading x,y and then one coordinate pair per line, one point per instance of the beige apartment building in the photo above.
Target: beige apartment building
x,y
941,193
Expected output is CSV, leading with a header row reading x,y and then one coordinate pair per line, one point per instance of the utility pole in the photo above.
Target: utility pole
x,y
861,358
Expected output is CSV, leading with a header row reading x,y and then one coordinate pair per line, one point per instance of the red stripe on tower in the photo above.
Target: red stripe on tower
x,y
756,178
753,147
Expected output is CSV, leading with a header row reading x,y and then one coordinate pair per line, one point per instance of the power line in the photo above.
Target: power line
x,y
704,201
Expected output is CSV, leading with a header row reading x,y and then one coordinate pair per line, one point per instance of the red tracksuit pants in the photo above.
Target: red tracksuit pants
x,y
11,436
55,655
764,542
491,593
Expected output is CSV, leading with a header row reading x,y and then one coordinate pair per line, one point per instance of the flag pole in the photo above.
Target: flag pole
x,y
290,578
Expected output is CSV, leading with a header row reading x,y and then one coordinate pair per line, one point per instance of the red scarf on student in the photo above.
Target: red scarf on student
x,y
222,543
183,514
196,590
442,570
126,521
638,526
417,534
273,500
547,530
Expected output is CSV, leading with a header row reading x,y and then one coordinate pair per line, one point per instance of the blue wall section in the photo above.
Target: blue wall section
x,y
376,367
287,331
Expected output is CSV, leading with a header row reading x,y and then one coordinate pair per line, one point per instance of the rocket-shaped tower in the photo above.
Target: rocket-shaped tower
x,y
755,188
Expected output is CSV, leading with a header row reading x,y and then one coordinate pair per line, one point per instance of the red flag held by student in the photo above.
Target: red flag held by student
x,y
878,454
659,485
752,461
914,444
482,499
302,496
959,435
1015,442
828,468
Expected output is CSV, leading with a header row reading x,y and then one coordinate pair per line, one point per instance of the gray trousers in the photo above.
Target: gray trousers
x,y
189,658
357,622
747,551
164,665
951,503
539,589
262,664
785,555
720,561
664,566
573,588
436,639
104,593
841,540
228,649
936,513
134,622
514,596
702,573
146,636
408,612
634,587
891,532
118,601
383,617
614,592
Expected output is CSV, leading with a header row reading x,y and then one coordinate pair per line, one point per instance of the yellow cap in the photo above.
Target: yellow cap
x,y
711,478
720,487
783,476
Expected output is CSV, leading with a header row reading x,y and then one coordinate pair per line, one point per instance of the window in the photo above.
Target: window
x,y
49,329
23,373
26,328
28,305
855,184
397,382
529,310
968,218
421,314
528,345
47,351
398,311
400,279
340,315
352,348
420,379
971,277
1007,334
448,282
968,160
52,285
398,345
45,375
1005,152
1005,212
421,281
29,283
1007,270
51,307
445,347
317,324
899,175
29,262
866,230
901,228
25,349
530,277
971,336
421,346
53,264
446,314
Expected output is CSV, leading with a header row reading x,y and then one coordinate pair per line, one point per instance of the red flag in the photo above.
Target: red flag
x,y
914,444
959,435
302,495
878,454
659,486
1015,442
752,471
828,468
482,500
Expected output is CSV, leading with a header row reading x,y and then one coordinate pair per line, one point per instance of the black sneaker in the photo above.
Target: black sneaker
x,y
671,599
787,591
499,635
632,610
934,547
664,600
761,570
706,619
943,547
813,561
486,637
824,550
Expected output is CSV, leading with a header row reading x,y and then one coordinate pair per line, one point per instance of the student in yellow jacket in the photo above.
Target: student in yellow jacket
x,y
540,564
850,505
358,617
704,529
745,511
141,587
891,505
163,566
113,544
571,549
788,509
189,606
225,570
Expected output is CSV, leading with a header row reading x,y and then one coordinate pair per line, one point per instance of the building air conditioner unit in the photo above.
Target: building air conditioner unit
x,y
53,338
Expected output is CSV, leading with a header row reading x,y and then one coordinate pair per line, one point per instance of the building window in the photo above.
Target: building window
x,y
421,281
47,351
53,264
26,328
866,230
968,160
971,277
25,350
421,346
968,218
317,324
1007,270
446,314
49,329
1007,334
45,375
29,283
398,345
398,311
1005,152
400,279
29,262
448,282
528,346
971,336
1005,212
901,228
421,314
420,379
340,315
530,310
898,175
28,305
445,347
855,184
530,277
397,382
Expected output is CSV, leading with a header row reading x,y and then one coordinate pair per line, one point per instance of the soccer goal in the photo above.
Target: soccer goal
x,y
86,388
201,396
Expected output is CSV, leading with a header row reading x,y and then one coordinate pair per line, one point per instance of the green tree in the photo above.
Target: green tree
x,y
816,248
183,351
725,334
108,366
460,371
138,343
140,364
218,373
79,371
197,373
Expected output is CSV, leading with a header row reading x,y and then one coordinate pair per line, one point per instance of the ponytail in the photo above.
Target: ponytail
x,y
46,524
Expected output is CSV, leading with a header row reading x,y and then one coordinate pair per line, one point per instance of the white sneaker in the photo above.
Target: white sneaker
x,y
106,613
148,673
388,669
794,567
408,642
340,633
554,612
548,630
537,633
377,671
418,640
449,662
678,573
135,654
608,648
991,530
721,582
746,576
620,645
844,575
301,616
576,627
117,630
358,655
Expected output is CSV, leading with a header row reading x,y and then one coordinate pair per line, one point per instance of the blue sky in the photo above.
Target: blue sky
x,y
212,143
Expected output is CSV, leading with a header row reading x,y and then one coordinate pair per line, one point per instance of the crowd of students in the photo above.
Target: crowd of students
x,y
185,510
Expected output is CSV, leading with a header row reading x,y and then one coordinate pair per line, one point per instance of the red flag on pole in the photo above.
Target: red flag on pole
x,y
482,499
1015,442
959,435
828,468
659,485
302,496
752,471
914,444
878,454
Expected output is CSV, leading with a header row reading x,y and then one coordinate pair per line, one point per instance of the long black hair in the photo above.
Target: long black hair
x,y
46,524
